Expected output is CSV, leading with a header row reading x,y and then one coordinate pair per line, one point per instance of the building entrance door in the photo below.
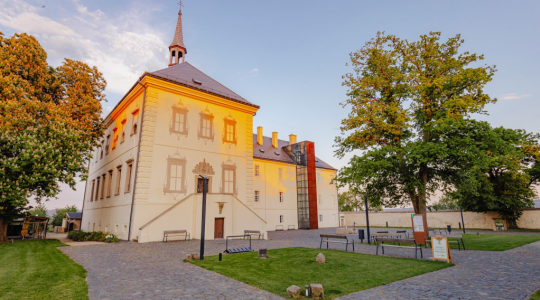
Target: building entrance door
x,y
218,228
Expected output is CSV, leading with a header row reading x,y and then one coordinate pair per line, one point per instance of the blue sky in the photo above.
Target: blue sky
x,y
286,56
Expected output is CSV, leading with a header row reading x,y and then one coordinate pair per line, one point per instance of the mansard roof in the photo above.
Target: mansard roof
x,y
271,153
187,75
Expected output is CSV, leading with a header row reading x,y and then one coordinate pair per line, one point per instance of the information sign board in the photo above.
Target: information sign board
x,y
419,225
440,249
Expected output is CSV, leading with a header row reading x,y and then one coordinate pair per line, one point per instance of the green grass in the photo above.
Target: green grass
x,y
495,242
35,269
523,230
343,273
535,296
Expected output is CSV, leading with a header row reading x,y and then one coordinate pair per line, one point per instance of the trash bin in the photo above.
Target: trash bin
x,y
361,235
449,228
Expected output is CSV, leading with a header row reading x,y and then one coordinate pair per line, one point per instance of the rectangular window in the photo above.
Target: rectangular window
x,y
92,193
128,176
179,121
256,196
118,177
123,134
103,186
93,226
206,127
229,134
280,173
107,144
102,147
176,171
206,130
116,229
280,218
97,188
229,181
134,128
320,218
280,196
256,170
109,188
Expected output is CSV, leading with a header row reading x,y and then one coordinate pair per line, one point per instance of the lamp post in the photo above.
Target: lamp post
x,y
463,223
367,219
205,187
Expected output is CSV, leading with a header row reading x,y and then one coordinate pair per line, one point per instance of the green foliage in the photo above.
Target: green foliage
x,y
350,201
98,236
50,120
61,214
502,178
37,269
40,210
343,273
446,202
411,103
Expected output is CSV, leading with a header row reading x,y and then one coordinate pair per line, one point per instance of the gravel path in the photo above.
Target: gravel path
x,y
157,271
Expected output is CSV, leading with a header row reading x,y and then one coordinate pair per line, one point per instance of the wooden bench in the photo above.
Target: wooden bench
x,y
380,234
458,241
381,240
168,233
339,239
404,232
254,232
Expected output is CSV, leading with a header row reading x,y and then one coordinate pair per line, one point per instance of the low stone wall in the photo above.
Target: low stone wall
x,y
529,220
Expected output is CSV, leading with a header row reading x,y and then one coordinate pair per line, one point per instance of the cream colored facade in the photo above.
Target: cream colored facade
x,y
172,126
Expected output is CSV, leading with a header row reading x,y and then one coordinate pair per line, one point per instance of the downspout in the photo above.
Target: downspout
x,y
137,161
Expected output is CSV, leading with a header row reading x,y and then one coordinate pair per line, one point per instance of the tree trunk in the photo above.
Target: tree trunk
x,y
3,231
511,224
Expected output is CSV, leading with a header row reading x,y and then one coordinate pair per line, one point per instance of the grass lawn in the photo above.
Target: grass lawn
x,y
495,242
343,273
35,269
535,296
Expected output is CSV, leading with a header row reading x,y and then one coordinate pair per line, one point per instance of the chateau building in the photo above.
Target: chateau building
x,y
176,124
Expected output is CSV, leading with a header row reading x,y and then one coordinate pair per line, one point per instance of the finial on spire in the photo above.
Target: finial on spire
x,y
181,5
177,49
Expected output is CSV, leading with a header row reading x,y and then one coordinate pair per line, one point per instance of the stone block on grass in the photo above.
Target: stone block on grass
x,y
317,291
189,257
320,259
195,256
294,291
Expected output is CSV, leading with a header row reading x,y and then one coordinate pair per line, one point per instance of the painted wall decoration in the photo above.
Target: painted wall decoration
x,y
175,179
229,131
205,169
179,120
206,126
228,183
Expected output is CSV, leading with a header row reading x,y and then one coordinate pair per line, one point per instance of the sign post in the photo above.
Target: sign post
x,y
203,222
420,230
440,249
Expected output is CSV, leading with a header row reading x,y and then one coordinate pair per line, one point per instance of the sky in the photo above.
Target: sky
x,y
286,56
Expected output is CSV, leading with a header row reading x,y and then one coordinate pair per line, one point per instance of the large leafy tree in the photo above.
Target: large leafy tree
x,y
502,180
50,119
411,103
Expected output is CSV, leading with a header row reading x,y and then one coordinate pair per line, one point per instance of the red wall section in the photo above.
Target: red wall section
x,y
312,186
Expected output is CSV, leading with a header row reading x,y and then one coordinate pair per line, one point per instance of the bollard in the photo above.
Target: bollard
x,y
386,224
459,225
220,255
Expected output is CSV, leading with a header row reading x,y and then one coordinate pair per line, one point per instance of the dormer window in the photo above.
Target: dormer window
x,y
196,81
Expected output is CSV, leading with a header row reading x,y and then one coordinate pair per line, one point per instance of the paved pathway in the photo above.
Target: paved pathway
x,y
157,271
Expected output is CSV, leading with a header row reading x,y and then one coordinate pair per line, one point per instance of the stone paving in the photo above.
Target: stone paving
x,y
157,271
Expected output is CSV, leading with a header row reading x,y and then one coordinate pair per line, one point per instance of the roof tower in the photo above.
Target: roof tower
x,y
177,49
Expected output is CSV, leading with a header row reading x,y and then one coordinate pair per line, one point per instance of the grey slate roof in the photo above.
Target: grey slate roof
x,y
186,74
270,153
74,215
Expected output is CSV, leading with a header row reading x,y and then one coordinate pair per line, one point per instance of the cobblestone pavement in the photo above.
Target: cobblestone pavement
x,y
157,271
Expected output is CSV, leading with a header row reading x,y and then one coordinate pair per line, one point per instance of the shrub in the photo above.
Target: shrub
x,y
111,238
97,236
78,235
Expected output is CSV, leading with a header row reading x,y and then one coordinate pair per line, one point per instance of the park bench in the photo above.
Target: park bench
x,y
254,232
381,240
458,241
379,234
290,227
403,232
168,233
337,239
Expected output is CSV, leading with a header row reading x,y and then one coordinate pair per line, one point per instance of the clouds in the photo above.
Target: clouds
x,y
513,96
250,74
122,46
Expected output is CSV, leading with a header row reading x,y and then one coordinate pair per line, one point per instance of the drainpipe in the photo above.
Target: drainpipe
x,y
137,161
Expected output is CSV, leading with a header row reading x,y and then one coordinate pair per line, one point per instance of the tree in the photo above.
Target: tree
x,y
353,201
410,106
40,210
61,214
502,181
50,119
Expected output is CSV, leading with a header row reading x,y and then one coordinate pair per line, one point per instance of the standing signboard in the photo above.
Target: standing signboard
x,y
420,230
440,249
24,231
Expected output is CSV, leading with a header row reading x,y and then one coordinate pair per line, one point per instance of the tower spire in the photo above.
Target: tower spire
x,y
177,49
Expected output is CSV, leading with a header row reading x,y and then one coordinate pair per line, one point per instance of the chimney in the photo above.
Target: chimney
x,y
274,139
292,139
259,135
